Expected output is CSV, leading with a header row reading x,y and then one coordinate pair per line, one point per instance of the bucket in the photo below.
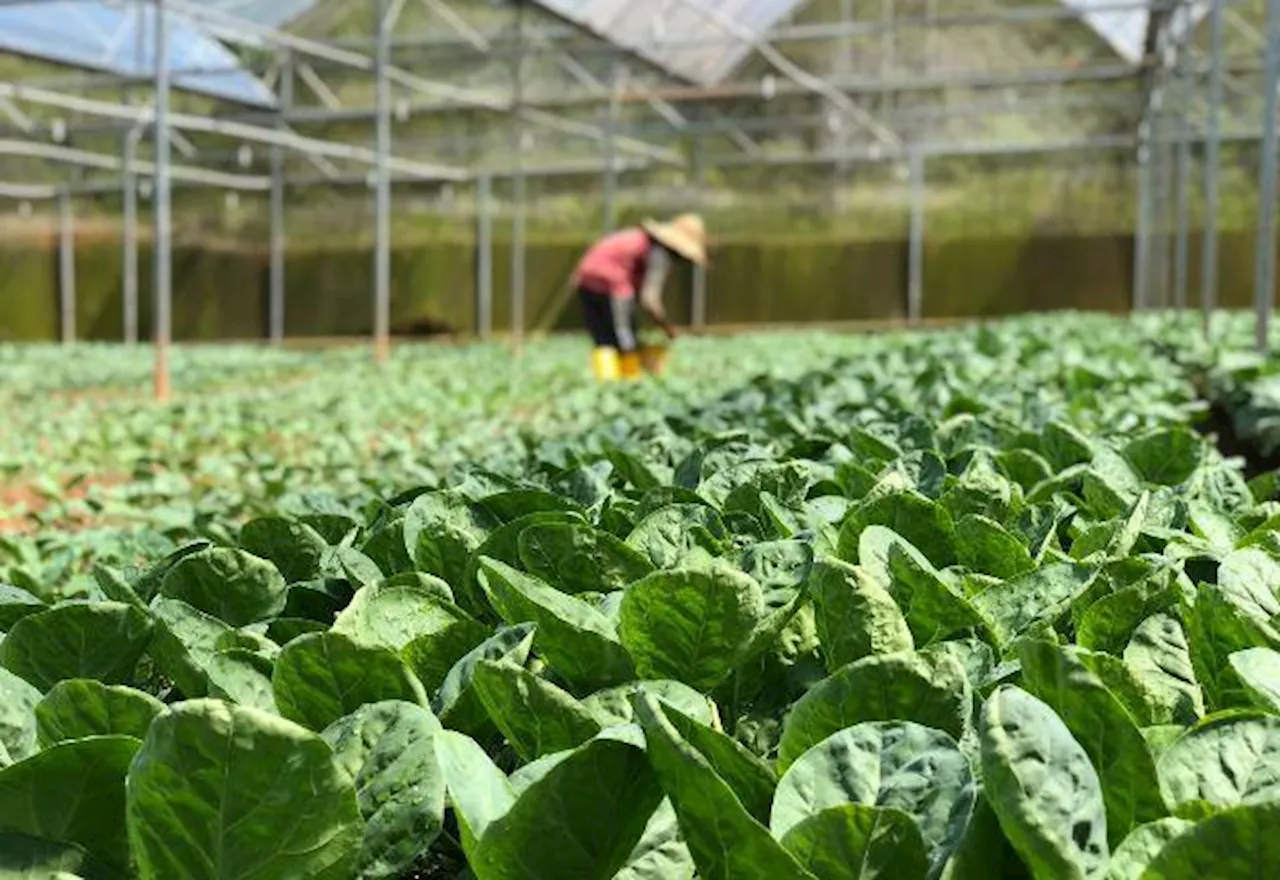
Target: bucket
x,y
654,358
631,365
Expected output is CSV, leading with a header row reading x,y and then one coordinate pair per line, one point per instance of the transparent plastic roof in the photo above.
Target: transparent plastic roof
x,y
1125,30
271,13
94,35
695,44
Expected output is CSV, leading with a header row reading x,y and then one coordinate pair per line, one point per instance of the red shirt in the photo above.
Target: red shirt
x,y
615,265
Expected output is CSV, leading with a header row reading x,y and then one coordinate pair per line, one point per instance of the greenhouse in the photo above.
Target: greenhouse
x,y
639,440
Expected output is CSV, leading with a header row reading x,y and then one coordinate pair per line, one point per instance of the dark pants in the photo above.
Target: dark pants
x,y
597,312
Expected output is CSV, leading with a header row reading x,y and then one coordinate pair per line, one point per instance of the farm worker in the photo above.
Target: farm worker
x,y
626,269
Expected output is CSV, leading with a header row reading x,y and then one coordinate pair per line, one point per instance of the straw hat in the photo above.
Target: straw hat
x,y
686,235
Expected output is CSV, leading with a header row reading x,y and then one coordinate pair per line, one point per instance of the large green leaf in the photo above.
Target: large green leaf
x,y
321,677
293,547
897,764
535,716
185,642
18,699
100,640
502,544
750,778
895,687
1166,457
1131,858
1044,595
858,842
16,603
615,706
23,857
1239,844
579,642
432,655
1158,653
691,624
478,792
456,702
73,792
79,708
241,676
236,587
1043,788
582,819
661,853
1108,624
441,531
512,504
677,534
221,792
856,617
1102,726
1259,671
933,608
393,615
1224,761
984,545
726,842
576,558
1251,580
922,522
1218,625
388,748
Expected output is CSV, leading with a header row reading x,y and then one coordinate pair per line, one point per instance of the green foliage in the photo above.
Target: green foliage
x,y
980,603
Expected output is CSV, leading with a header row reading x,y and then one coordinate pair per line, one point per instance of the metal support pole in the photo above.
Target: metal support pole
x,y
915,255
698,307
484,255
1142,234
1265,247
611,152
66,267
1163,212
888,49
163,231
382,187
1182,194
275,291
129,192
518,187
1209,259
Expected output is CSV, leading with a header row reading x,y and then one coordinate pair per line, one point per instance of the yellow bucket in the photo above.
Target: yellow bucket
x,y
604,363
630,365
654,358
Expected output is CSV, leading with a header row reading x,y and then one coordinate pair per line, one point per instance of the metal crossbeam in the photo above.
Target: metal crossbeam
x,y
242,32
240,130
105,162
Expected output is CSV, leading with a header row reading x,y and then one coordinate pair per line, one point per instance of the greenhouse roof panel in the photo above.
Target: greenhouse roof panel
x,y
95,35
270,13
1125,30
698,40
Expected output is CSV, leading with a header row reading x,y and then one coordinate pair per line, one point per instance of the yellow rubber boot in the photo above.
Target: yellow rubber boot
x,y
630,365
604,363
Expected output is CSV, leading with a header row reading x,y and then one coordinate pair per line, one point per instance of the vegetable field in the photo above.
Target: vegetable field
x,y
998,602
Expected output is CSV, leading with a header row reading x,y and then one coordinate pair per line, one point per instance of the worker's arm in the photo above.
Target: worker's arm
x,y
657,267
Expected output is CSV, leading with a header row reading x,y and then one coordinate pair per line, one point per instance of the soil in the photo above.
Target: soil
x,y
31,500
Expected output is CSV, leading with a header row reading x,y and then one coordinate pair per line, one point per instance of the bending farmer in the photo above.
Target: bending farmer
x,y
626,269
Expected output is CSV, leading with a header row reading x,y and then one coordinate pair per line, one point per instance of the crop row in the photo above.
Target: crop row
x,y
982,603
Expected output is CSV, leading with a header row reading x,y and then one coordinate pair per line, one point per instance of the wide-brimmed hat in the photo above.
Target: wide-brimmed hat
x,y
686,235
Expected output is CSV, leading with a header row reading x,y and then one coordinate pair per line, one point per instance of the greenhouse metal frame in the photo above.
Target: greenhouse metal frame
x,y
703,52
